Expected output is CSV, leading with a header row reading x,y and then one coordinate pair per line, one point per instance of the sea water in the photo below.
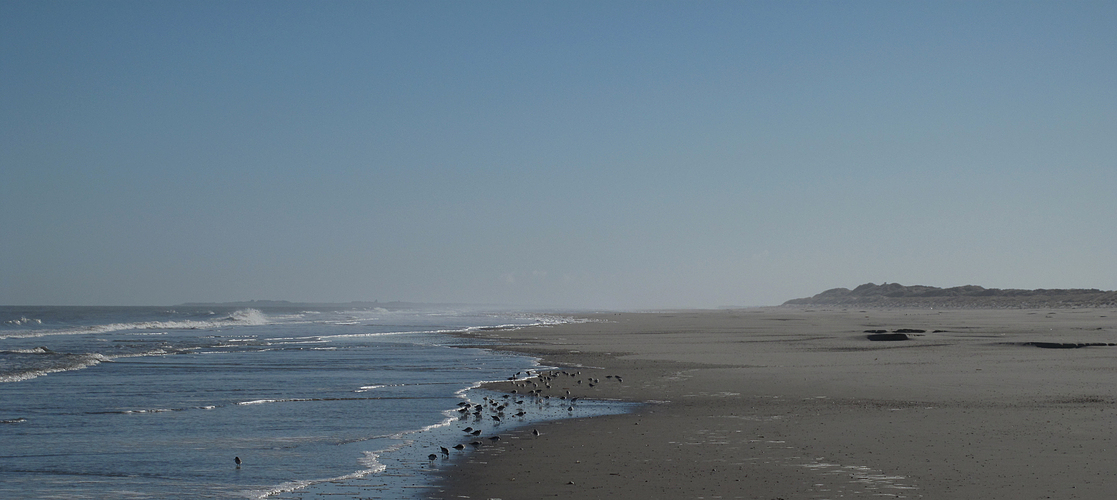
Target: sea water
x,y
151,402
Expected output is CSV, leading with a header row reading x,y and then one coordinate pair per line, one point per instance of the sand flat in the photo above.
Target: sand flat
x,y
793,403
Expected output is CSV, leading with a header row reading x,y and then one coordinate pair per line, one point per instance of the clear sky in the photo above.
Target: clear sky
x,y
568,154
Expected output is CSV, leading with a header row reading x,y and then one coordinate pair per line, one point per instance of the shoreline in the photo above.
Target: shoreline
x,y
403,469
798,403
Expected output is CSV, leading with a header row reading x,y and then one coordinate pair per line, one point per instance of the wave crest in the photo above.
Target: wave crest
x,y
240,317
63,363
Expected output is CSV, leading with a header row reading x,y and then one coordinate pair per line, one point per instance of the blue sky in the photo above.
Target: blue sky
x,y
565,154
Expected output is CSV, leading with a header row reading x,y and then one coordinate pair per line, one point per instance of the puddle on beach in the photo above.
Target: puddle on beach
x,y
830,481
855,480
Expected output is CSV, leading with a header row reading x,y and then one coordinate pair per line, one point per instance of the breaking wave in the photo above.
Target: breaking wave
x,y
241,317
56,363
25,364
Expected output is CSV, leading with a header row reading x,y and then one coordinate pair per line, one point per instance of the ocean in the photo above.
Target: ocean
x,y
158,402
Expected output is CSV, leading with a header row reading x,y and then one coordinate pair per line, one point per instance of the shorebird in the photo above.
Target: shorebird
x,y
476,432
445,451
237,461
459,446
535,432
494,438
432,457
496,418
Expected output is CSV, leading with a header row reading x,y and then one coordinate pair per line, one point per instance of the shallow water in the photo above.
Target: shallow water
x,y
409,470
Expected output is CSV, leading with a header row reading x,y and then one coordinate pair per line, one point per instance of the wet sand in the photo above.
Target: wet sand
x,y
786,403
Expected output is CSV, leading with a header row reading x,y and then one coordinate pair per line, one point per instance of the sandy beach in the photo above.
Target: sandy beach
x,y
797,403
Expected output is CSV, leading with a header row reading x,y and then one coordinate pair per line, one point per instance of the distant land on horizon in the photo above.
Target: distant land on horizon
x,y
968,296
286,303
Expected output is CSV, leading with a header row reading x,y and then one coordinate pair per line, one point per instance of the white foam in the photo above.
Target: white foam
x,y
379,334
288,400
258,402
241,317
370,461
24,320
36,350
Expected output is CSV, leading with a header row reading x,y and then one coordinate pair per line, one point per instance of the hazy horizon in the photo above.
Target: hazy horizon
x,y
601,155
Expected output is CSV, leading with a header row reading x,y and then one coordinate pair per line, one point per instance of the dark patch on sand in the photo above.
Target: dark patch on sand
x,y
1068,345
1082,400
910,330
887,337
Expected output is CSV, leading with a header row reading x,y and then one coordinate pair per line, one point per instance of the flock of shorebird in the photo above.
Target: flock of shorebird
x,y
498,409
539,381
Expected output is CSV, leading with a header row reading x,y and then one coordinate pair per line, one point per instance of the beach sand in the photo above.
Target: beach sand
x,y
796,403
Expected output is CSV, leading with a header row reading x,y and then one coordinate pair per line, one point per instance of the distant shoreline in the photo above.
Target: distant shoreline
x,y
895,295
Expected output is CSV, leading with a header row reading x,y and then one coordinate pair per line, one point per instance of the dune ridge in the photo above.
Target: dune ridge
x,y
895,295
